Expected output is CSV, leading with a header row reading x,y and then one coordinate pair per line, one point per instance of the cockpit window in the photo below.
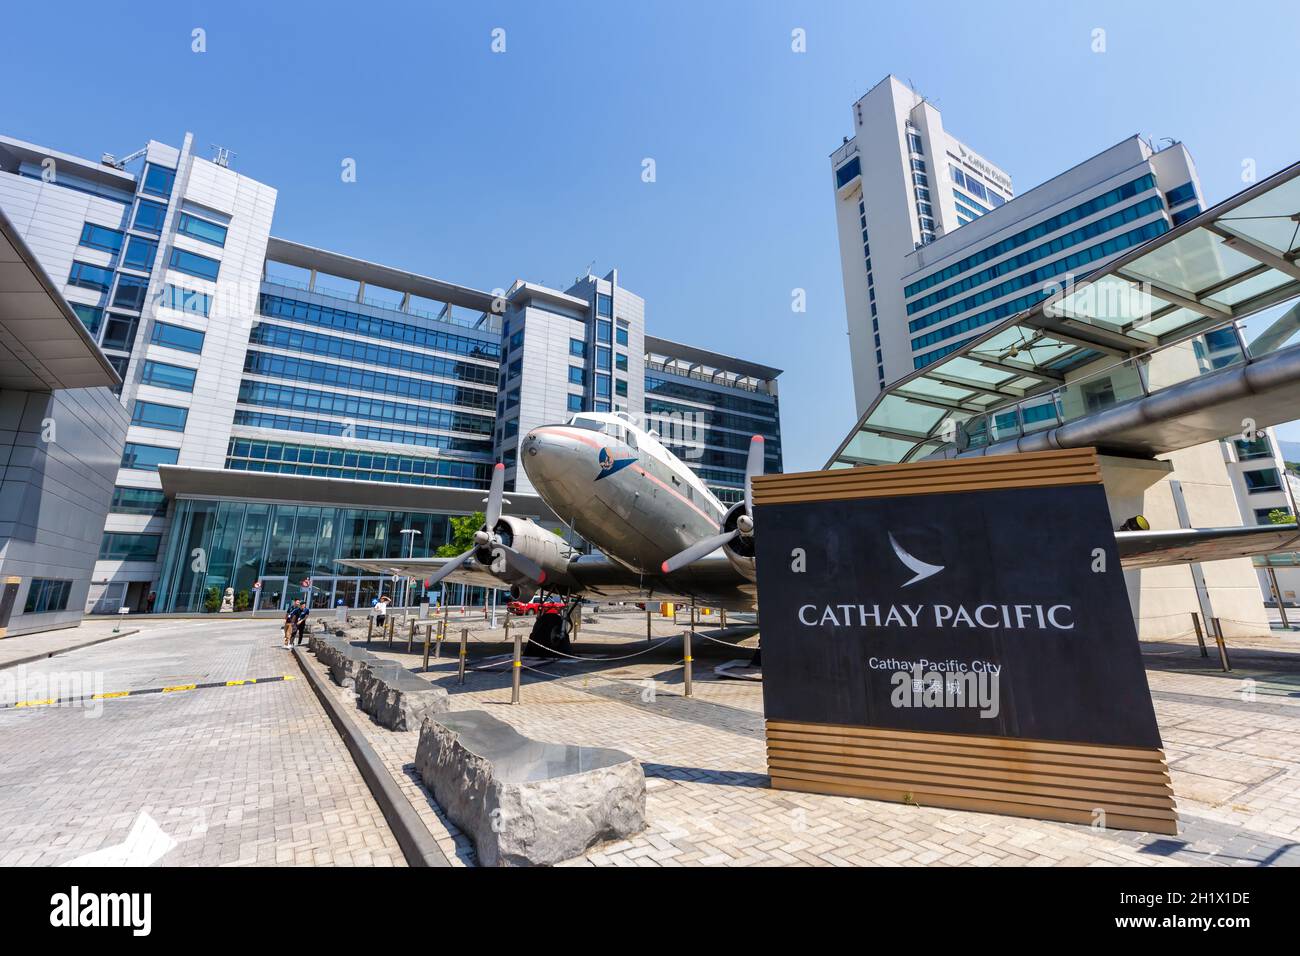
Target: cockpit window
x,y
592,424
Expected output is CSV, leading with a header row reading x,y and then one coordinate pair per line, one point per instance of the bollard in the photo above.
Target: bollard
x,y
1223,648
686,662
648,639
1281,601
507,627
516,667
724,618
410,637
370,629
437,647
446,609
392,623
1200,636
427,631
464,649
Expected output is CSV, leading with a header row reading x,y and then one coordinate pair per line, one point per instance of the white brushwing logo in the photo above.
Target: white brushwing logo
x,y
919,568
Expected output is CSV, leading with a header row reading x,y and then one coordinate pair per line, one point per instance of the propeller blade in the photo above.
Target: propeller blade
x,y
449,567
494,497
696,551
521,562
753,466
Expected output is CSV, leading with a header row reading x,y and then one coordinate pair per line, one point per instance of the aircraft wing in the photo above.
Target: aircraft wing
x,y
1153,549
422,568
710,581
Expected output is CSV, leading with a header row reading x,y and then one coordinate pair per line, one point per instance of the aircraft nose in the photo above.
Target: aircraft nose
x,y
545,455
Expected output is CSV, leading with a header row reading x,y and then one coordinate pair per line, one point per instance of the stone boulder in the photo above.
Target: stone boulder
x,y
396,698
522,801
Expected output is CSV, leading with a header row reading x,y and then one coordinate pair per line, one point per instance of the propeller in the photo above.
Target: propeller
x,y
744,521
487,538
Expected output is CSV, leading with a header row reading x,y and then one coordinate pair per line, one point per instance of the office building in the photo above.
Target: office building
x,y
290,405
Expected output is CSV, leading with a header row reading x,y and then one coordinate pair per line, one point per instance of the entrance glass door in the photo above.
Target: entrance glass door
x,y
271,595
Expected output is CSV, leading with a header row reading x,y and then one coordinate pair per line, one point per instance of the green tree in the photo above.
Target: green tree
x,y
1280,516
462,535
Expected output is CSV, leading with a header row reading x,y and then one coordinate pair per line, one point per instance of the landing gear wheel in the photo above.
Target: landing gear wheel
x,y
547,633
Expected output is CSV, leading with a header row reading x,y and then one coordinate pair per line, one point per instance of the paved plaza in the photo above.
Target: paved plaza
x,y
256,774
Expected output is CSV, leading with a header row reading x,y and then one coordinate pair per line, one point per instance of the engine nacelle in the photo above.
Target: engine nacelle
x,y
740,549
530,539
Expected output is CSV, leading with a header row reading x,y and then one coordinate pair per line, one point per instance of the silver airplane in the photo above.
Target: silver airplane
x,y
661,535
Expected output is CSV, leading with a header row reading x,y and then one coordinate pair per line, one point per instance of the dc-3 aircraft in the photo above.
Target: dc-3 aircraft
x,y
663,536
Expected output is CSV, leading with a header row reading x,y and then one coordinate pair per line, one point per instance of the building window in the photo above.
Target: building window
x,y
1262,479
140,254
149,216
1265,515
914,144
153,415
577,376
577,348
1259,447
602,332
158,180
101,237
195,265
1180,194
846,173
201,229
147,457
602,358
187,300
517,339
620,334
604,305
45,595
602,386
90,316
131,292
119,333
139,501
119,546
168,376
575,403
918,165
86,276
620,362
620,387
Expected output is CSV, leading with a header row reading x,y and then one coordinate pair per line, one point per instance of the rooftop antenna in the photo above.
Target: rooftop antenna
x,y
222,155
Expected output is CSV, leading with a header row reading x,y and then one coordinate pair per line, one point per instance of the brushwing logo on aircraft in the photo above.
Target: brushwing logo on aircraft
x,y
920,569
610,465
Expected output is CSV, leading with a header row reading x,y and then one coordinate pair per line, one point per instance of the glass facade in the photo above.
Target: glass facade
x,y
289,550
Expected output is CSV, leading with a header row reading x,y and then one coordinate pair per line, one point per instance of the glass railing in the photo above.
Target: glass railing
x,y
484,321
745,384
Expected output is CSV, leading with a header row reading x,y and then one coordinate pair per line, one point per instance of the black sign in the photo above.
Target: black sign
x,y
999,613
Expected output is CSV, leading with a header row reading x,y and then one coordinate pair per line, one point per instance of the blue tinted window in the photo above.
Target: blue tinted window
x,y
140,254
575,403
577,375
168,376
620,362
147,457
602,332
149,216
1186,213
45,595
138,501
90,316
1180,194
187,300
130,293
90,277
120,546
101,237
846,172
602,385
158,180
202,229
119,333
620,335
154,415
620,387
604,305
177,337
602,358
577,347
193,264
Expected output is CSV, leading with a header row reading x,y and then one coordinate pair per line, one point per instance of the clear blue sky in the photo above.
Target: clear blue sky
x,y
481,168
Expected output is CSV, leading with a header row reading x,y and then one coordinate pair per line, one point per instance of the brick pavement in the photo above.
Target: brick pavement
x,y
251,775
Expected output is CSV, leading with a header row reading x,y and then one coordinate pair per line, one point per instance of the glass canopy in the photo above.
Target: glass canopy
x,y
1083,345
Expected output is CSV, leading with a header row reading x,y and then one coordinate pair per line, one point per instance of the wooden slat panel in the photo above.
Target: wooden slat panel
x,y
1154,782
972,740
1048,779
1030,470
1115,818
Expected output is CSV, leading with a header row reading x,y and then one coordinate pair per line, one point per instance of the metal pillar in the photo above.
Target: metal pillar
x,y
1200,637
1281,602
517,665
1223,648
687,659
464,648
427,631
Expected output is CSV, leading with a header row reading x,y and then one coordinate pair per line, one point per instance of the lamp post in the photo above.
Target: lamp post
x,y
410,553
